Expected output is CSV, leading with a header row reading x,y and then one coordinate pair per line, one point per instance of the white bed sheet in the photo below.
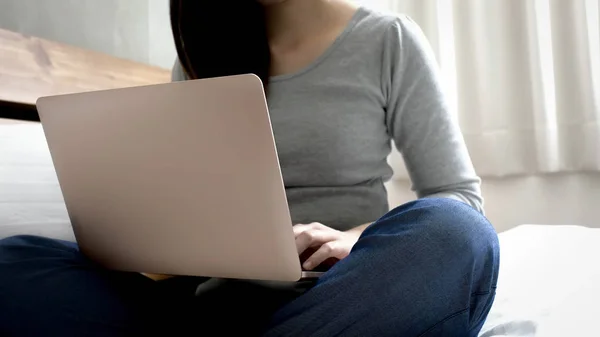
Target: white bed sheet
x,y
549,282
30,198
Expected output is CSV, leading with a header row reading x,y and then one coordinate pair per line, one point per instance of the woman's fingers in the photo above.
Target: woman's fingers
x,y
331,249
299,229
319,243
312,236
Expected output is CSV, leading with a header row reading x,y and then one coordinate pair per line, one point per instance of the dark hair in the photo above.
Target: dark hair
x,y
221,37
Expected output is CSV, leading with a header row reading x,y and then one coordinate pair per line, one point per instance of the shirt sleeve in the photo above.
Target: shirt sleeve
x,y
419,119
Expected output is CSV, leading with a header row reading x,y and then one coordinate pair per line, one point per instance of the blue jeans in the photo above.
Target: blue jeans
x,y
427,268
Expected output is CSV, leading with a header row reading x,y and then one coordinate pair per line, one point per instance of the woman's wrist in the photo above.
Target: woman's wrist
x,y
359,229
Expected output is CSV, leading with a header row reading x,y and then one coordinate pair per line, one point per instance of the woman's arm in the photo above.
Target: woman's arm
x,y
420,121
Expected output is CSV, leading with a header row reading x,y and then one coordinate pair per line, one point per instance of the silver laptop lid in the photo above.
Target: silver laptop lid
x,y
179,178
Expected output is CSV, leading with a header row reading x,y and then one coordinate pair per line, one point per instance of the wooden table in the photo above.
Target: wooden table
x,y
31,67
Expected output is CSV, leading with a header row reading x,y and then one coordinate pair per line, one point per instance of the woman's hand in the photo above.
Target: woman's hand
x,y
319,243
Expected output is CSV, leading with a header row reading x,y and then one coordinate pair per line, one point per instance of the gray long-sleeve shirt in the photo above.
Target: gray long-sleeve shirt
x,y
335,119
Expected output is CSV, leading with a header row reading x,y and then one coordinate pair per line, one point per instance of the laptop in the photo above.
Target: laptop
x,y
179,178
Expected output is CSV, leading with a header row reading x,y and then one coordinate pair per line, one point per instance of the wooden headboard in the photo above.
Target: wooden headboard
x,y
31,67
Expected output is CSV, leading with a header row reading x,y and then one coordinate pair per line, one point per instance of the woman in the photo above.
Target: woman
x,y
342,82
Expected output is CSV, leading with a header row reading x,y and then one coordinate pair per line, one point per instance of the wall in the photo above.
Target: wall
x,y
133,29
561,199
161,48
380,4
557,199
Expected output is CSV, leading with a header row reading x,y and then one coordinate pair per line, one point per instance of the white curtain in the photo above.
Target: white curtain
x,y
523,76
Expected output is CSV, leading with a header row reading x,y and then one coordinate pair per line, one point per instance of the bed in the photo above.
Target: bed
x,y
549,280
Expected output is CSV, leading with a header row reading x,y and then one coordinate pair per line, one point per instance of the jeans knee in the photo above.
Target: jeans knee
x,y
441,226
23,247
439,253
15,242
19,240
